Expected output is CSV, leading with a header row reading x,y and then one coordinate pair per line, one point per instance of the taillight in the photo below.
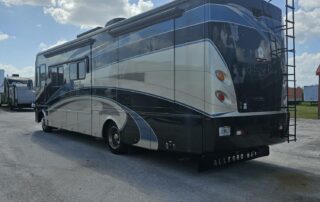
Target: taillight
x,y
221,96
220,75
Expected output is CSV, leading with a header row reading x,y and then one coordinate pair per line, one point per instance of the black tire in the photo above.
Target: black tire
x,y
113,140
45,127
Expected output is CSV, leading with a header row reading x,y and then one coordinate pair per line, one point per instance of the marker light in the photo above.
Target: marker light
x,y
220,75
239,132
281,128
221,96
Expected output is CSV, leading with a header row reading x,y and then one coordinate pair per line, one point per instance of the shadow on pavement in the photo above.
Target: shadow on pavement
x,y
7,109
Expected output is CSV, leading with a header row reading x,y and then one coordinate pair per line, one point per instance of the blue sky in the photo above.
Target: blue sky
x,y
29,26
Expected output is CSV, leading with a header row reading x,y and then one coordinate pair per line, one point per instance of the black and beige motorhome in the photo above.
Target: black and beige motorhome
x,y
192,76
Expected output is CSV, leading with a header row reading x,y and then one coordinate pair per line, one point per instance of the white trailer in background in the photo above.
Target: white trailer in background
x,y
311,93
1,84
18,92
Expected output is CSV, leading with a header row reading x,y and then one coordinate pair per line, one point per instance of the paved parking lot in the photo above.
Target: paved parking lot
x,y
62,166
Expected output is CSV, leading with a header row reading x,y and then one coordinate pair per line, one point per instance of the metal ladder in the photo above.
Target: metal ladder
x,y
290,75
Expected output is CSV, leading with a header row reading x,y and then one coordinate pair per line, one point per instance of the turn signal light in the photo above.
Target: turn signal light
x,y
220,75
221,96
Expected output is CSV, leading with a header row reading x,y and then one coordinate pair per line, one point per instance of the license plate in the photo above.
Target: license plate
x,y
225,131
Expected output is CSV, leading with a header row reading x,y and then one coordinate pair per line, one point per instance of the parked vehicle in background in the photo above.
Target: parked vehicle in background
x,y
18,92
298,97
1,84
311,93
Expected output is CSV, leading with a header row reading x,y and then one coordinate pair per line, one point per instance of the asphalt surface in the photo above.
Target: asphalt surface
x,y
62,166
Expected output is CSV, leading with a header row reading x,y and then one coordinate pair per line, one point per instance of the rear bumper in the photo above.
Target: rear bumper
x,y
262,130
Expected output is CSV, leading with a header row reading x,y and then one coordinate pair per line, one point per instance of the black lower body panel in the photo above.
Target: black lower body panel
x,y
259,130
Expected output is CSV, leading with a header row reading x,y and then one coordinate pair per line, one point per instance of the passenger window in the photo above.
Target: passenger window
x,y
56,75
53,75
82,70
43,75
73,69
38,77
60,76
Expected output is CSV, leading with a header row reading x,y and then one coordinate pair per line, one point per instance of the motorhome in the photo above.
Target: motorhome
x,y
192,76
1,84
18,92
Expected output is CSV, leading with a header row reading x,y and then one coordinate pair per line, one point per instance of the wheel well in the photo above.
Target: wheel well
x,y
39,116
106,126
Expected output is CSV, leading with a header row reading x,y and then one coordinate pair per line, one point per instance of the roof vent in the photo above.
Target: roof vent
x,y
115,20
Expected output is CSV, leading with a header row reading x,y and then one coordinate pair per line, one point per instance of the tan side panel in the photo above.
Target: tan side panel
x,y
106,76
214,62
153,73
189,75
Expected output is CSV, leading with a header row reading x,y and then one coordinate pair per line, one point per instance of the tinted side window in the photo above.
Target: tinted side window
x,y
78,70
82,70
60,75
53,74
57,76
38,83
43,75
73,69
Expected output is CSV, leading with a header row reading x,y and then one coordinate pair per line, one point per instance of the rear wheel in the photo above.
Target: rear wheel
x,y
114,140
45,127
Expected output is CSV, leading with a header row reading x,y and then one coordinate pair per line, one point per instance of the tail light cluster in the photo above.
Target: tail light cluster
x,y
221,76
221,96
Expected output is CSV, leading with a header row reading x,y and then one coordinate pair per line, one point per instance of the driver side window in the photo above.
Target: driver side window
x,y
41,76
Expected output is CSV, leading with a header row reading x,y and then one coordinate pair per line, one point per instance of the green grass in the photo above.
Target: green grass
x,y
307,111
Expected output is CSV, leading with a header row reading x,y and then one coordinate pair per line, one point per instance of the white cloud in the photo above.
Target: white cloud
x,y
26,2
27,71
307,25
307,64
4,36
86,14
309,4
96,13
307,20
43,46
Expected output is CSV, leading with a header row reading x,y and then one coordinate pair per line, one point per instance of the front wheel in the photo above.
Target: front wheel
x,y
45,127
114,141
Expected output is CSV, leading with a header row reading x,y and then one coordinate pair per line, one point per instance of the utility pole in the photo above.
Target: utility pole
x,y
318,74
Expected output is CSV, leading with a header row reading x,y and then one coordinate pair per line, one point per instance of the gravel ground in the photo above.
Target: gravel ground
x,y
63,166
